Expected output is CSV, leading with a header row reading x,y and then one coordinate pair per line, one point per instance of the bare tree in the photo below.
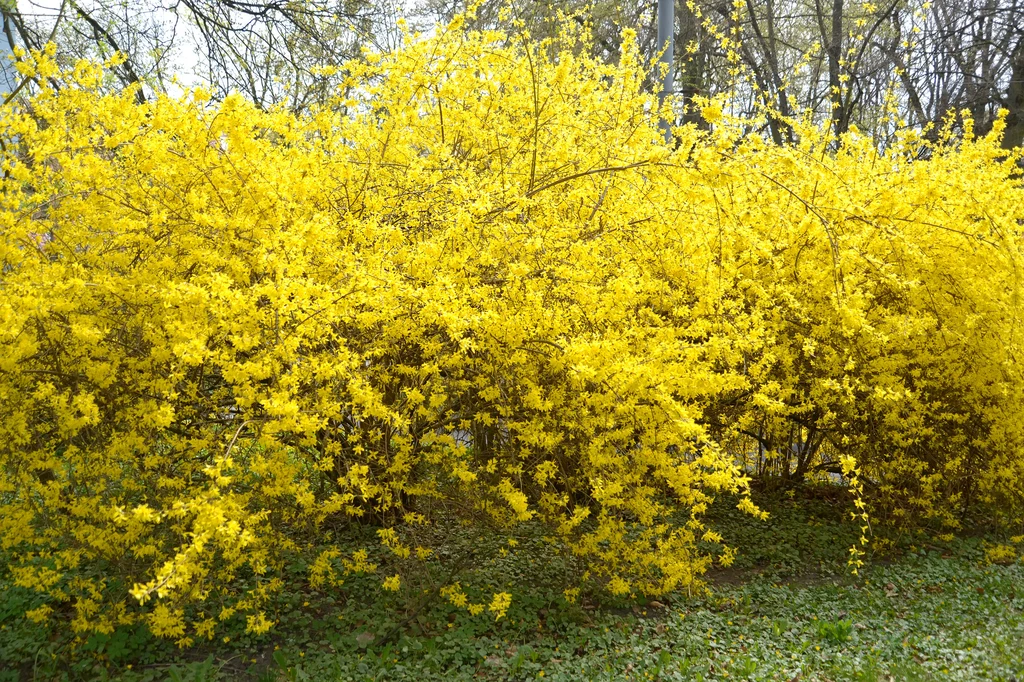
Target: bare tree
x,y
970,58
926,58
847,62
272,51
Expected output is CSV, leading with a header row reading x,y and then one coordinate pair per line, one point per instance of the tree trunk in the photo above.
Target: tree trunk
x,y
1014,135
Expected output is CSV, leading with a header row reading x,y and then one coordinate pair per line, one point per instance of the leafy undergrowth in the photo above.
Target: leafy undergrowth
x,y
787,609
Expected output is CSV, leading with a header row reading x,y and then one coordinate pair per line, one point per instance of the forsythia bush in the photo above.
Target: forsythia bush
x,y
480,286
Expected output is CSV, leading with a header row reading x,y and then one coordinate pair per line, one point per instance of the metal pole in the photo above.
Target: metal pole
x,y
666,33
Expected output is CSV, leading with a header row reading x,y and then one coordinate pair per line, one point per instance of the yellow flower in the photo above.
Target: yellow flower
x,y
499,604
226,329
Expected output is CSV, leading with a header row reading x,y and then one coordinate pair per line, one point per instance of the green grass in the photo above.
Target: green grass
x,y
787,610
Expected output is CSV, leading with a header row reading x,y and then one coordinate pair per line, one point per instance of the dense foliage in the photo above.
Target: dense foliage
x,y
483,288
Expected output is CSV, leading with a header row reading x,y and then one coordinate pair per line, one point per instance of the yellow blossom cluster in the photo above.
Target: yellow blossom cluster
x,y
479,284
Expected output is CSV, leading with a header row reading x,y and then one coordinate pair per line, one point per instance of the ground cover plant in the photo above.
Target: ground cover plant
x,y
788,608
476,308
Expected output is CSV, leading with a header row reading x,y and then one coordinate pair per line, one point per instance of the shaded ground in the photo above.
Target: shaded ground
x,y
787,610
